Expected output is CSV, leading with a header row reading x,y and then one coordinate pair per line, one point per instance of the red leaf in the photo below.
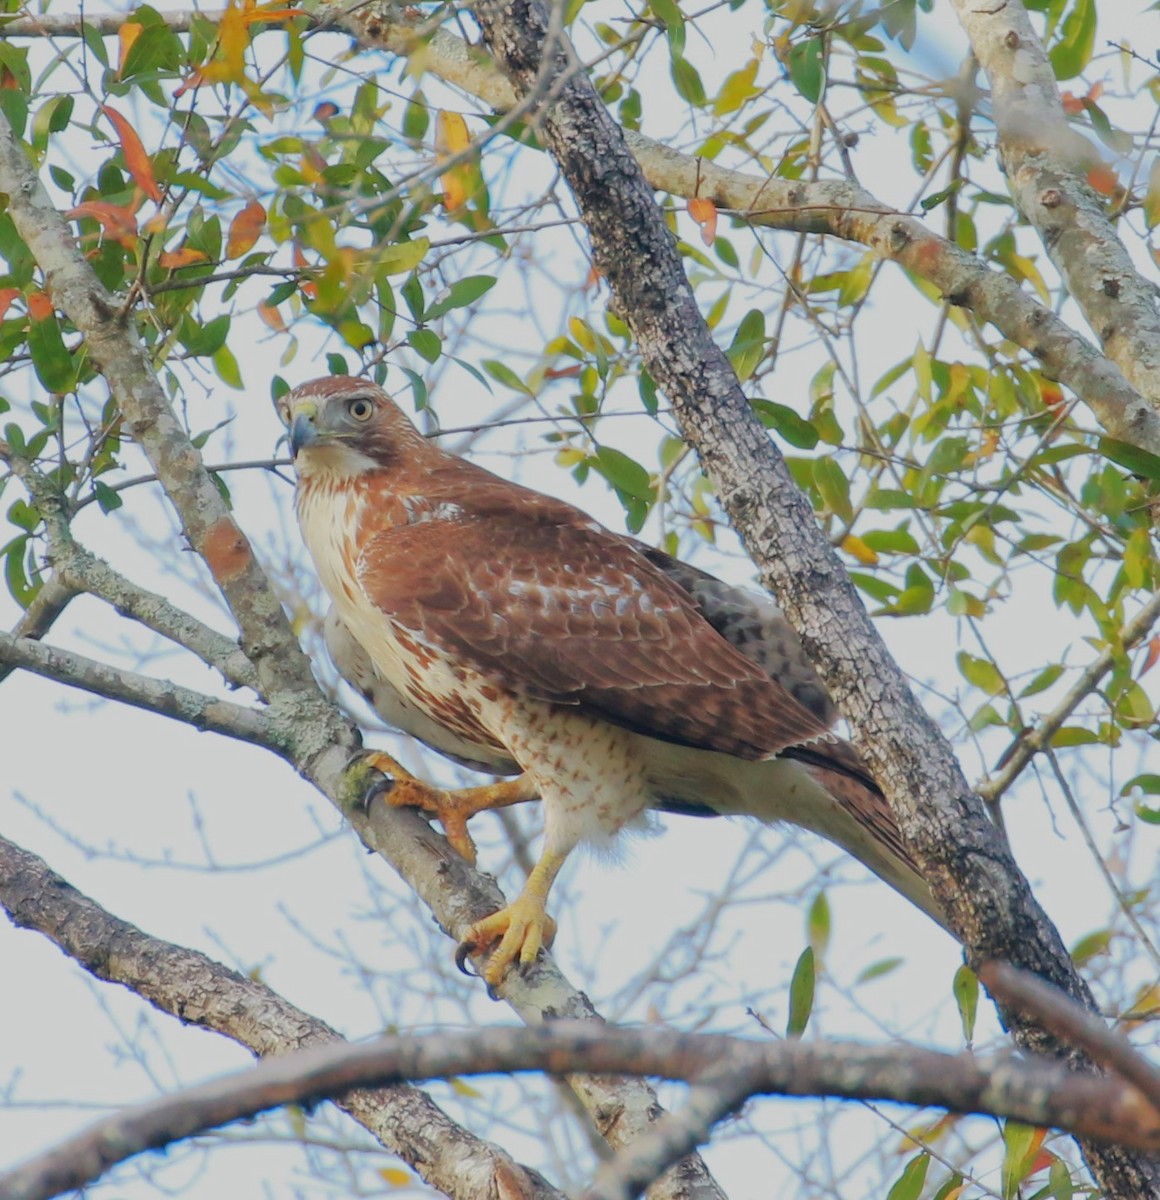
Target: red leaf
x,y
1103,179
7,295
118,221
704,212
136,160
39,306
244,229
1152,656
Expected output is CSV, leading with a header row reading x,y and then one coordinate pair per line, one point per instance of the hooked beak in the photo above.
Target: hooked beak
x,y
303,431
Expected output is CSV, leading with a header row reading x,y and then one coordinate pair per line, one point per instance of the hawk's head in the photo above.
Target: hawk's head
x,y
340,425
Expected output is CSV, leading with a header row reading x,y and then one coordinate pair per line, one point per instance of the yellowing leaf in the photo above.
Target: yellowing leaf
x,y
245,229
186,256
396,1176
271,317
857,548
704,212
129,32
136,160
452,138
464,1089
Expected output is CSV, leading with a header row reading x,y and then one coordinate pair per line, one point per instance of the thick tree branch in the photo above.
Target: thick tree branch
x,y
1047,165
1038,1092
198,991
838,208
975,881
159,696
835,207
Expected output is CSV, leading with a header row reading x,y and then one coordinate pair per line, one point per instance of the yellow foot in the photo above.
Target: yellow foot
x,y
521,929
452,808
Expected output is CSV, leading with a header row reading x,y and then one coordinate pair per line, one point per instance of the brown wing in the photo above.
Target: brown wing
x,y
575,615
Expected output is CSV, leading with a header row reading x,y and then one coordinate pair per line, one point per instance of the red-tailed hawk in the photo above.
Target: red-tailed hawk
x,y
512,632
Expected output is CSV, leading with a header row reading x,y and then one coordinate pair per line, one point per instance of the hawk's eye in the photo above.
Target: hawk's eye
x,y
360,408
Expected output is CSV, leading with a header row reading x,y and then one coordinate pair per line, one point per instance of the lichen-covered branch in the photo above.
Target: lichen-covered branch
x,y
198,991
141,691
974,879
1047,164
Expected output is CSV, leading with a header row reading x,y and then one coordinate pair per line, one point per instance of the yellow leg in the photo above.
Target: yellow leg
x,y
452,808
522,928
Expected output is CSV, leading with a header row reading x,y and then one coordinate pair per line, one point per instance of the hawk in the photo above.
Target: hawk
x,y
513,633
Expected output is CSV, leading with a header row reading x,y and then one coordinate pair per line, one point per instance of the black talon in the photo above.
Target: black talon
x,y
462,954
382,786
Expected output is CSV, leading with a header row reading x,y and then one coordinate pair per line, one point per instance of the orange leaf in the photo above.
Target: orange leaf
x,y
185,257
1151,657
129,32
1072,105
39,306
309,289
1042,1161
118,221
1050,393
704,212
1103,179
324,111
136,160
269,315
8,79
244,229
7,295
451,138
563,372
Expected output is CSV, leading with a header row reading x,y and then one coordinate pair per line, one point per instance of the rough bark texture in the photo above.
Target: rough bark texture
x,y
973,876
198,991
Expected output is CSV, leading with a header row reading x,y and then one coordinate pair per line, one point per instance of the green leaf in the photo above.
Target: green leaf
x,y
502,373
402,256
748,344
818,925
804,67
1074,735
876,970
1090,946
462,292
1073,51
1042,681
1021,1146
782,419
426,343
687,80
834,487
965,987
1059,1180
981,673
228,371
51,360
908,1186
1139,462
801,994
108,499
624,473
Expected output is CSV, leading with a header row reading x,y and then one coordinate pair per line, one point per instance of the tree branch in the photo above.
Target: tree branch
x,y
972,875
40,616
1047,164
838,208
1034,1091
160,696
198,991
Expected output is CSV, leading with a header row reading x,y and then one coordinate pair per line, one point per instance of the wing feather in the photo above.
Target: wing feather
x,y
574,614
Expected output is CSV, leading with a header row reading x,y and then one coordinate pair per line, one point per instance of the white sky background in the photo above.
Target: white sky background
x,y
98,789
